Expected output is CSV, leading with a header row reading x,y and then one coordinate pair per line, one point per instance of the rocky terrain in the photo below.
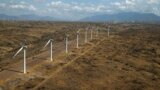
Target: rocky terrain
x,y
129,59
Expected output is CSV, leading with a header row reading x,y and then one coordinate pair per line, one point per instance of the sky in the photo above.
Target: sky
x,y
77,9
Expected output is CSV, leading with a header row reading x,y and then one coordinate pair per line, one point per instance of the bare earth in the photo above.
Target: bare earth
x,y
129,59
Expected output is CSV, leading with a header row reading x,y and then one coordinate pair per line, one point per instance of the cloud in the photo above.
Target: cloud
x,y
81,7
75,9
39,0
150,6
18,6
118,6
153,1
2,5
130,2
21,6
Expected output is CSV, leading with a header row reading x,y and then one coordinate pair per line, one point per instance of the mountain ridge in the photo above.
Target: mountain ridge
x,y
27,17
118,17
124,17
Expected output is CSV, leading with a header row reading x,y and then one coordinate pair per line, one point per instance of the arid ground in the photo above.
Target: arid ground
x,y
127,59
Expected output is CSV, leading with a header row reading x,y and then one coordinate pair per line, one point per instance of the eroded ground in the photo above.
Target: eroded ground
x,y
127,60
117,63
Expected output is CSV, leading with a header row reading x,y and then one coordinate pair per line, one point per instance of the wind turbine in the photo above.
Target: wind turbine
x,y
97,32
86,32
66,40
108,31
24,47
91,33
78,38
50,41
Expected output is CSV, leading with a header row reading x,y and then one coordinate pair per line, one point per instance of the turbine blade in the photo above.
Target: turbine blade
x,y
18,52
47,43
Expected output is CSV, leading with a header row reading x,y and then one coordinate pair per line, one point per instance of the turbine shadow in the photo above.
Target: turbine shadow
x,y
8,69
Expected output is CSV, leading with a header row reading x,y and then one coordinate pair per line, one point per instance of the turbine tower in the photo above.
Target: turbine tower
x,y
78,38
66,40
50,42
108,30
86,32
24,47
97,32
91,33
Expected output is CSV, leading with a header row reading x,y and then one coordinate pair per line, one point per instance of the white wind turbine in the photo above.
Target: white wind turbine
x,y
86,33
66,42
50,41
91,33
108,31
24,47
78,38
97,32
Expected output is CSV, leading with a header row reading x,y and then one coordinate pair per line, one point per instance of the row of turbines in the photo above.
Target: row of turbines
x,y
50,43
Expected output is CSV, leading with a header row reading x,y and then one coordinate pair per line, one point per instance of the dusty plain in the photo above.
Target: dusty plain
x,y
128,59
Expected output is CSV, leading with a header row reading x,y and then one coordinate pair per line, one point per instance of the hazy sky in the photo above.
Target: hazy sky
x,y
76,9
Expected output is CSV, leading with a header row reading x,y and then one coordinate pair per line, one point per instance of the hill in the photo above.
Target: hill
x,y
27,17
124,17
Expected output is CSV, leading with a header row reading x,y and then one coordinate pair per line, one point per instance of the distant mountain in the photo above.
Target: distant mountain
x,y
124,17
6,17
119,17
27,17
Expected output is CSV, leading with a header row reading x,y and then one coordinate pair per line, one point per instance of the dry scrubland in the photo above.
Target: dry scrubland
x,y
127,60
34,34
